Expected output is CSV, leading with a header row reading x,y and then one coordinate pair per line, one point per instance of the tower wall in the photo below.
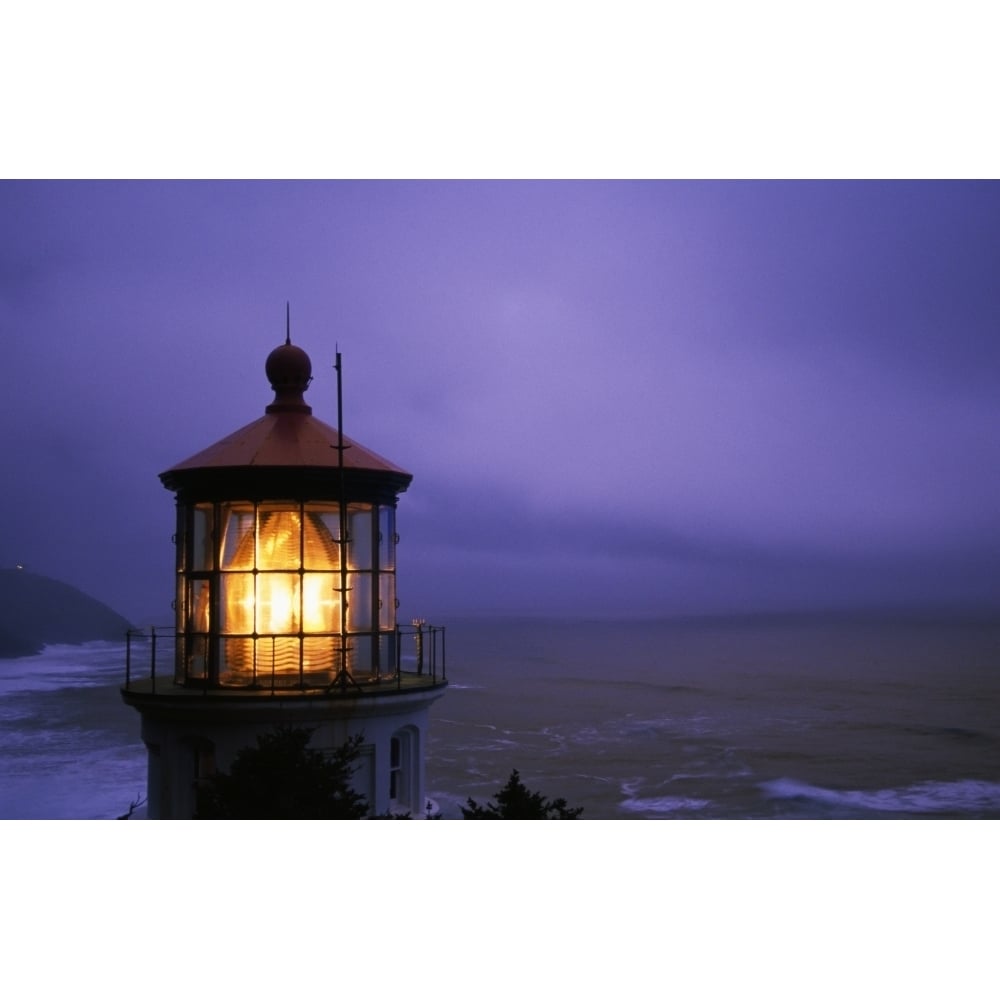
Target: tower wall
x,y
186,746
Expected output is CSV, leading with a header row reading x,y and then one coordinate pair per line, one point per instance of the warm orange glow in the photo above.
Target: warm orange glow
x,y
293,594
278,539
277,604
320,603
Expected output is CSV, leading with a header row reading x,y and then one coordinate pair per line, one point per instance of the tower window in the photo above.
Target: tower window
x,y
395,758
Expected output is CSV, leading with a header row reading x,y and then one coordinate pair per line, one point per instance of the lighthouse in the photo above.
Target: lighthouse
x,y
285,609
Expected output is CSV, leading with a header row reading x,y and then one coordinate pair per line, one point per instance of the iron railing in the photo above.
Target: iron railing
x,y
160,646
420,661
428,657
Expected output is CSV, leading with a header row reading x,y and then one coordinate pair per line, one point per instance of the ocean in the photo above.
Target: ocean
x,y
69,746
765,717
757,717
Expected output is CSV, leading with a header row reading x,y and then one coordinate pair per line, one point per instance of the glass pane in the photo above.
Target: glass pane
x,y
361,657
359,531
387,538
278,603
196,658
237,536
387,600
278,661
329,515
198,620
359,602
387,654
320,658
237,603
279,538
201,537
320,602
321,545
237,662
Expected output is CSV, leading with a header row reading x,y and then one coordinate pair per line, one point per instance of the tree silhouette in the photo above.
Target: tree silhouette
x,y
283,778
514,801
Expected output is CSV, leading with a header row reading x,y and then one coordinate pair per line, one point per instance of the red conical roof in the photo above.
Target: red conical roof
x,y
287,439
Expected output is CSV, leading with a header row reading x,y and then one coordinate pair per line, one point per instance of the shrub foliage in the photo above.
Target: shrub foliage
x,y
514,801
284,778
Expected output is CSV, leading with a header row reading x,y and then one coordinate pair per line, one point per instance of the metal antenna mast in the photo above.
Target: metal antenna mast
x,y
343,675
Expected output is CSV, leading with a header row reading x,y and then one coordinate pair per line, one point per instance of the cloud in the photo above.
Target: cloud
x,y
740,389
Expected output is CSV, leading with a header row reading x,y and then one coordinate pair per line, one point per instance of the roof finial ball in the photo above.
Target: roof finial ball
x,y
289,370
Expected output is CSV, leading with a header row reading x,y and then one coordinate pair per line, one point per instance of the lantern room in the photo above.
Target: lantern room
x,y
285,605
286,545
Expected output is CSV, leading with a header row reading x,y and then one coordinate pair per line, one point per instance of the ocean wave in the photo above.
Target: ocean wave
x,y
660,805
664,805
91,664
966,796
73,651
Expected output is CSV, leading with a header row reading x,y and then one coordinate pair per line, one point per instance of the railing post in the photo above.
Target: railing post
x,y
419,625
152,653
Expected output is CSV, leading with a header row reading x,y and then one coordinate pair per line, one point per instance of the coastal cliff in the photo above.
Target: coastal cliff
x,y
36,611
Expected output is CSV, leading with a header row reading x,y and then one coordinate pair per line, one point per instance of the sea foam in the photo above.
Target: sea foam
x,y
966,796
661,805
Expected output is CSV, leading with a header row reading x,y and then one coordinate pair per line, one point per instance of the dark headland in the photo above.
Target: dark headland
x,y
36,611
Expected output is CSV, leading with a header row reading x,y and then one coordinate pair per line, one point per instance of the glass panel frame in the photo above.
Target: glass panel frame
x,y
279,536
386,538
359,536
236,604
198,605
360,616
238,534
257,578
202,549
278,604
321,537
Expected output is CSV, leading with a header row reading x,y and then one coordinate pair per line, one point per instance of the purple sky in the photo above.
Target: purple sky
x,y
615,398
